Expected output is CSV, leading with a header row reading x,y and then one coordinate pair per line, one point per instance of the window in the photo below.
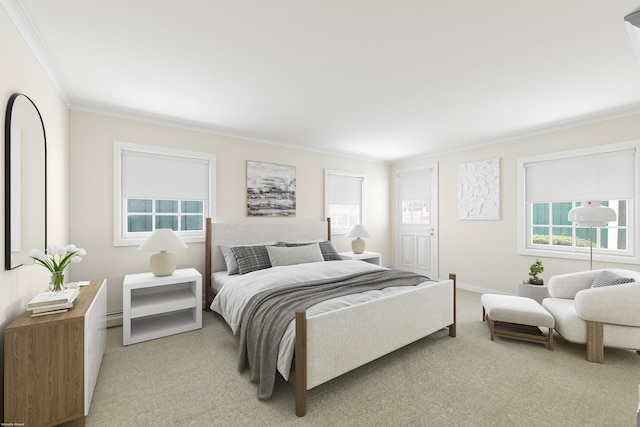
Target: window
x,y
551,228
344,199
551,185
144,215
157,187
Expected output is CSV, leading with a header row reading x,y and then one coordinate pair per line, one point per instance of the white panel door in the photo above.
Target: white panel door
x,y
417,220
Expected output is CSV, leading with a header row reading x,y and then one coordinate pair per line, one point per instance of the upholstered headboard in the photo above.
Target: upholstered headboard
x,y
256,232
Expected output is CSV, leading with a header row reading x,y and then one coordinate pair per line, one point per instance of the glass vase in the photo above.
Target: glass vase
x,y
57,281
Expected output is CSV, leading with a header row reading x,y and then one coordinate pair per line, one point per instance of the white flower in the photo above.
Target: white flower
x,y
57,258
38,254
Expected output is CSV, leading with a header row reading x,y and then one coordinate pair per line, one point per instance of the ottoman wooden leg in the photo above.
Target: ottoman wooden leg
x,y
550,339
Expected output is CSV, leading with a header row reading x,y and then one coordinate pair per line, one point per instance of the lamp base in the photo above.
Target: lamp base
x,y
358,245
163,263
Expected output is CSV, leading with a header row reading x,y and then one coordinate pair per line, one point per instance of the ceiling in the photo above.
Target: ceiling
x,y
378,79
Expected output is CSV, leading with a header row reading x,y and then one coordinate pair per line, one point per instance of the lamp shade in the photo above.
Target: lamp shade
x,y
162,240
358,245
592,214
358,230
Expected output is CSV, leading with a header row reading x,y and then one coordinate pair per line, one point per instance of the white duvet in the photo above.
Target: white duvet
x,y
237,291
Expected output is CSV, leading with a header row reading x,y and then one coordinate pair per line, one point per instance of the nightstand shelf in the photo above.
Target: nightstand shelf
x,y
161,302
161,325
155,307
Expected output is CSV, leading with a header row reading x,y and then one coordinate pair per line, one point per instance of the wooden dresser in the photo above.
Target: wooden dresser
x,y
51,363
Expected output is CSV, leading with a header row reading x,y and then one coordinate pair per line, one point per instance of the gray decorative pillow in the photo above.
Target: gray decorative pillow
x,y
607,278
251,258
230,258
329,253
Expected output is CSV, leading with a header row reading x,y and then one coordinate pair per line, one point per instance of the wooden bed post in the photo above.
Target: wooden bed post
x,y
452,327
329,229
300,382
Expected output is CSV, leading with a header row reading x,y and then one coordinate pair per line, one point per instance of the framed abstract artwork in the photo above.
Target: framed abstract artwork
x,y
479,190
271,189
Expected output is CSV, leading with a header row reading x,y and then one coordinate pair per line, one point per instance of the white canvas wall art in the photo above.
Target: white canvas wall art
x,y
479,190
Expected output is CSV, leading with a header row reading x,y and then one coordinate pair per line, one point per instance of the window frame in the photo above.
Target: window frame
x,y
524,212
335,230
121,237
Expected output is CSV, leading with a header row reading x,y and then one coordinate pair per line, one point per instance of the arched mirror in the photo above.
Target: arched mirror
x,y
25,180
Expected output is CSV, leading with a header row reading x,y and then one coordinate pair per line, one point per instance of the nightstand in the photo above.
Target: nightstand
x,y
372,257
155,307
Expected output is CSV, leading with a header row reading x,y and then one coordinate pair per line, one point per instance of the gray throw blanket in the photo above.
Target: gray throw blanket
x,y
268,313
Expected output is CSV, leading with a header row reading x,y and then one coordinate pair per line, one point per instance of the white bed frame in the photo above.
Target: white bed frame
x,y
408,317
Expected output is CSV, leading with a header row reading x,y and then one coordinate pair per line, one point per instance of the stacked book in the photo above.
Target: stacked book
x,y
52,302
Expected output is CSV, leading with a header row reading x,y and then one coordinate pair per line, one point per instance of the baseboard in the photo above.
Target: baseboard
x,y
114,319
480,290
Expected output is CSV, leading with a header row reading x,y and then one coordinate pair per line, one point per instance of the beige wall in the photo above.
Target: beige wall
x,y
91,191
20,72
483,253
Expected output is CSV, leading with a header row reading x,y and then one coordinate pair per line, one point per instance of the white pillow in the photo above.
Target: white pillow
x,y
294,255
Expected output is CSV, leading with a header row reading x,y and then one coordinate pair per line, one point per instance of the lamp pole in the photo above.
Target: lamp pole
x,y
590,248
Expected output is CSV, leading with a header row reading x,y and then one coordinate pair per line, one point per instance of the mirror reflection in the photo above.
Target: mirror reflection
x,y
25,180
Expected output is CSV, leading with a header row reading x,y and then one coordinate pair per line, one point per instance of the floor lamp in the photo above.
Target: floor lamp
x,y
592,214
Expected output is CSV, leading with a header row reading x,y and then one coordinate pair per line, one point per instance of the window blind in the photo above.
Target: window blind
x,y
344,189
415,185
160,176
599,176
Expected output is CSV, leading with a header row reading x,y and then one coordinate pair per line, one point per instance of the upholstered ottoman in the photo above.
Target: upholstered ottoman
x,y
518,318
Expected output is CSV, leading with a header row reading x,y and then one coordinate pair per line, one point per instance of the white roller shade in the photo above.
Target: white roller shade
x,y
415,185
344,189
160,176
601,176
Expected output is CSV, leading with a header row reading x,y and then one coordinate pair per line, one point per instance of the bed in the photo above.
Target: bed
x,y
311,351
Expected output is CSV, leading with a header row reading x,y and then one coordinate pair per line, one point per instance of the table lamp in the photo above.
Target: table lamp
x,y
162,240
358,231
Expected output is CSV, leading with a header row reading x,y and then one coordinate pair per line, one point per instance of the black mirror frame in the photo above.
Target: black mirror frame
x,y
7,178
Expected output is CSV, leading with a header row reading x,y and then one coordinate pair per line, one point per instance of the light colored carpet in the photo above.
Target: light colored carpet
x,y
191,379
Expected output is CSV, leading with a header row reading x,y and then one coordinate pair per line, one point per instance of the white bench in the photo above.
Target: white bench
x,y
518,318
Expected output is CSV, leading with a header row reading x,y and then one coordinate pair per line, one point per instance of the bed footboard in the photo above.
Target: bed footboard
x,y
408,317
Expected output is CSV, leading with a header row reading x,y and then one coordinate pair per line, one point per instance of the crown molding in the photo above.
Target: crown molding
x,y
19,15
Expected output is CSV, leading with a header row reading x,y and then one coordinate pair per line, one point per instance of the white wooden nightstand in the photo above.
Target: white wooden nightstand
x,y
372,257
155,307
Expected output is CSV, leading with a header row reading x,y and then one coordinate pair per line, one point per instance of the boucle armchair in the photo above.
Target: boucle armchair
x,y
606,315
